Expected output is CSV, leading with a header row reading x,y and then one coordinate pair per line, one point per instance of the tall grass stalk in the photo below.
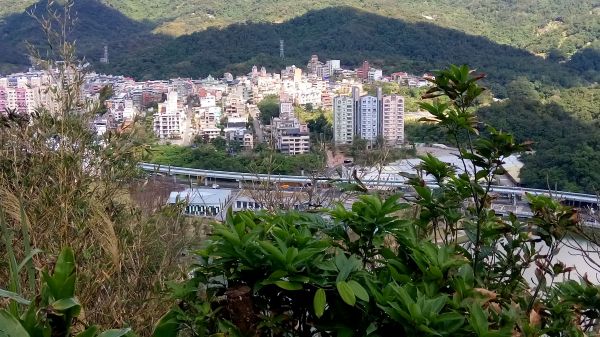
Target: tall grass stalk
x,y
13,277
29,252
61,185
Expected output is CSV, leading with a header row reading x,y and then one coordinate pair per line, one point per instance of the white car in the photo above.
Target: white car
x,y
215,186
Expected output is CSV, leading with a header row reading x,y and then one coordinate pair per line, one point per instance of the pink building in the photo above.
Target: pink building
x,y
393,119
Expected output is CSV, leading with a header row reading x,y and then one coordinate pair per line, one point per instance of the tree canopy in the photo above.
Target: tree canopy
x,y
269,108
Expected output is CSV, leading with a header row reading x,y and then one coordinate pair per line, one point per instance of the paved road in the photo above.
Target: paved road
x,y
260,138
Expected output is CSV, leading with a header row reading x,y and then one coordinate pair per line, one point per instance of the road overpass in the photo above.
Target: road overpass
x,y
513,193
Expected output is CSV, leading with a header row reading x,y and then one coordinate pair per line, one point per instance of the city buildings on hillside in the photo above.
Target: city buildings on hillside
x,y
314,64
206,118
121,108
222,107
243,136
368,117
286,109
24,92
333,66
363,72
374,74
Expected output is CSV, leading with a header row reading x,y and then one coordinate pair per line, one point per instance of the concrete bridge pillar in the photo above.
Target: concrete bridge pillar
x,y
206,181
514,199
240,184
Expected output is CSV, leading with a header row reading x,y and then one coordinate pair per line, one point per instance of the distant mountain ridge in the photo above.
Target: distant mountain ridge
x,y
557,28
95,26
340,33
336,32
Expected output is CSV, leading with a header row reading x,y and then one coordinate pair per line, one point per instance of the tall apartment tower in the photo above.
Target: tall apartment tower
x,y
368,117
168,118
343,119
392,118
356,110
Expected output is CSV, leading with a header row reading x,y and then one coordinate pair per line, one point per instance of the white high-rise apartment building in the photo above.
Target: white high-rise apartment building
x,y
343,119
368,118
168,120
171,102
393,120
333,65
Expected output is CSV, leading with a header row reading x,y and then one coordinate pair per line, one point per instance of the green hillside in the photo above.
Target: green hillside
x,y
94,27
349,35
553,27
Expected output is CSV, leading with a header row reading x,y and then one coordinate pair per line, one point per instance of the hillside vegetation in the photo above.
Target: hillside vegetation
x,y
558,27
349,33
342,33
564,128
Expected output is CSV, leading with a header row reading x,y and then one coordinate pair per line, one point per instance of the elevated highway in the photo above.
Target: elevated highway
x,y
513,193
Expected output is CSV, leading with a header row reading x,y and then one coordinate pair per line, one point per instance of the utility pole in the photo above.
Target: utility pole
x,y
281,49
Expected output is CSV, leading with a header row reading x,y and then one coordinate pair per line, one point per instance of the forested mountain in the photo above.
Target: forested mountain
x,y
555,27
417,42
342,32
565,128
96,24
347,34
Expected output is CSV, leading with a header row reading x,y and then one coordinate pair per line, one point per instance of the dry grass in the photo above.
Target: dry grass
x,y
62,186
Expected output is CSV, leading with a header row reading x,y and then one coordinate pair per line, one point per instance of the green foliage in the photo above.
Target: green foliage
x,y
417,132
366,271
412,96
211,157
562,124
521,89
366,154
334,33
587,61
55,309
565,132
454,269
551,26
71,187
321,127
269,108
